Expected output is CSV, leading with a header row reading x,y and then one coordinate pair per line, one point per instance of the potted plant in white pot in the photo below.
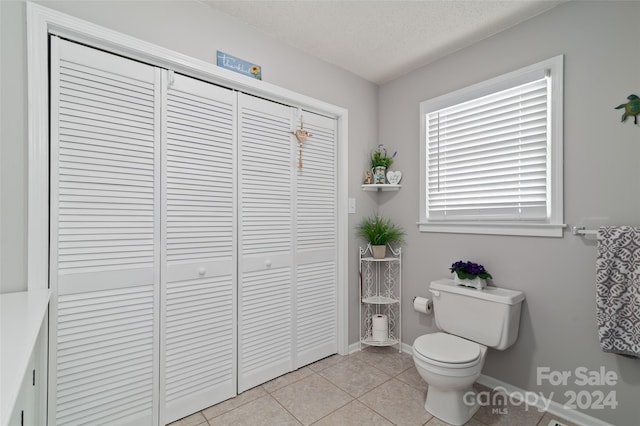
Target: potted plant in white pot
x,y
470,274
380,232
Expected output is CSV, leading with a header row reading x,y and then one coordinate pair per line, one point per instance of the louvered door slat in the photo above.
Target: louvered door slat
x,y
199,325
316,243
265,322
104,221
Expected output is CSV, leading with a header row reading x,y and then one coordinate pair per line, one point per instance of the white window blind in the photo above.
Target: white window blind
x,y
491,155
487,157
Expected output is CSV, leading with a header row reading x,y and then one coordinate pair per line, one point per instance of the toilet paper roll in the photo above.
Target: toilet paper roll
x,y
423,305
380,328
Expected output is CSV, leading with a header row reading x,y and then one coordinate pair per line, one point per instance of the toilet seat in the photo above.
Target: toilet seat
x,y
447,350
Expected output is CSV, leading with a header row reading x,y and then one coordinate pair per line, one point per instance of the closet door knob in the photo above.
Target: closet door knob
x,y
268,263
201,271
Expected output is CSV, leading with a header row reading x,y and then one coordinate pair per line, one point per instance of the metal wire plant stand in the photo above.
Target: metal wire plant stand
x,y
380,294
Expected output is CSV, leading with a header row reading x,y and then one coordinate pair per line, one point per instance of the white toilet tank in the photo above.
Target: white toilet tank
x,y
490,316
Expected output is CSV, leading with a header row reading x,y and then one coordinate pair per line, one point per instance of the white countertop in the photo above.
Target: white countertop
x,y
21,316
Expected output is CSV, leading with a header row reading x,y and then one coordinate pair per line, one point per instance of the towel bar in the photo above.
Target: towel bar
x,y
581,230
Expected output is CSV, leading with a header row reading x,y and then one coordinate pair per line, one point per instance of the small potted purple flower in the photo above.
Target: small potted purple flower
x,y
470,274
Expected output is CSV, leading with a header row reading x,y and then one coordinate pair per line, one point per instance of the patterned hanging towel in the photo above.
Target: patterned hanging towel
x,y
618,289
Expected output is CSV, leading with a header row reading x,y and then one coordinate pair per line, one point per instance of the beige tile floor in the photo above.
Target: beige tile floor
x,y
377,386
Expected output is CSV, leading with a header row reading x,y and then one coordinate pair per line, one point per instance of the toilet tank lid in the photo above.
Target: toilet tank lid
x,y
495,294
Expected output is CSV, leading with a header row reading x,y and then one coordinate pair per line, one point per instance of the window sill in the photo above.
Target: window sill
x,y
488,228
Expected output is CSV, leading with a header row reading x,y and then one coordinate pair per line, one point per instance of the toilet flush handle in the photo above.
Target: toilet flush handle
x,y
435,293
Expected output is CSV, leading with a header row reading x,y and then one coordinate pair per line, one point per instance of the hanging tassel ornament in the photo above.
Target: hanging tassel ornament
x,y
301,135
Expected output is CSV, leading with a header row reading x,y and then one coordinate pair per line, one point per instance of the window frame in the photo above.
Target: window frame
x,y
552,226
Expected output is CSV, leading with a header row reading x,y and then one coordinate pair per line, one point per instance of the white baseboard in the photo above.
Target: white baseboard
x,y
554,408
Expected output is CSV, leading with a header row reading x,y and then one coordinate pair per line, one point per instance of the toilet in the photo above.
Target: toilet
x,y
450,360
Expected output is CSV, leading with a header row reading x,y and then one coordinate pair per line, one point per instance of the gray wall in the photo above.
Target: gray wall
x,y
602,161
13,147
601,186
195,30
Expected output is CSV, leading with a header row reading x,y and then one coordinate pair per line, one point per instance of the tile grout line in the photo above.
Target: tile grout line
x,y
283,407
353,398
230,399
357,398
342,406
391,377
313,373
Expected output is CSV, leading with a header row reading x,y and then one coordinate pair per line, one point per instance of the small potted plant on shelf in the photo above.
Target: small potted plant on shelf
x,y
380,162
470,274
380,232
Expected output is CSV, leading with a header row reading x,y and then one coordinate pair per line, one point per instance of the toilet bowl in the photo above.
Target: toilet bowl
x,y
450,365
450,360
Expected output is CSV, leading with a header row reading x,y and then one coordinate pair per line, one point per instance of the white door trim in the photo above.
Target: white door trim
x,y
41,22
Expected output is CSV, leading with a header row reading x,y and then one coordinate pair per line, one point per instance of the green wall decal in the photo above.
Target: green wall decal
x,y
631,108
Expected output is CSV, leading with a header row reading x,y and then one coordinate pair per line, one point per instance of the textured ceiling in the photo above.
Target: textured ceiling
x,y
382,40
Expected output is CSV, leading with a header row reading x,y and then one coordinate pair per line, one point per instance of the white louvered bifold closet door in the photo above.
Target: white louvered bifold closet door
x,y
189,258
316,243
199,263
105,213
265,320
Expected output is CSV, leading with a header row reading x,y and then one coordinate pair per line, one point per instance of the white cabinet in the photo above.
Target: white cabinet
x,y
25,409
380,296
23,366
